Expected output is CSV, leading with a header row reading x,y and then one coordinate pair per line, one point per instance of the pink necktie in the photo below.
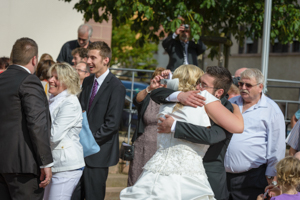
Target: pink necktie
x,y
94,92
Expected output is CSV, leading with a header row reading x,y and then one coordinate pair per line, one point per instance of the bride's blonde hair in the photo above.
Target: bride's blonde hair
x,y
188,76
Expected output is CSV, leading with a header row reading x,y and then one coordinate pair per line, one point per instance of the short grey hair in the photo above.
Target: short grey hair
x,y
86,28
253,73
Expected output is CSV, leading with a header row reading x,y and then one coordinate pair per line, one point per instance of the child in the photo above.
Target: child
x,y
288,178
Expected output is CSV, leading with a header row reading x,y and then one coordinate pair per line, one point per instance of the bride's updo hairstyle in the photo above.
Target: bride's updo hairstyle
x,y
188,76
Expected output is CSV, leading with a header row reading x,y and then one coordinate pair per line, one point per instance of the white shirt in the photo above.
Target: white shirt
x,y
263,139
101,78
25,68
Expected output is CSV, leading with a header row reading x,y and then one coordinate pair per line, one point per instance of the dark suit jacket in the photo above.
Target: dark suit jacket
x,y
215,136
141,108
175,51
25,123
104,118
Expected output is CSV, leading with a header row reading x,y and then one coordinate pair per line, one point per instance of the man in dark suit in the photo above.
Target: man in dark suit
x,y
103,97
181,50
217,81
25,153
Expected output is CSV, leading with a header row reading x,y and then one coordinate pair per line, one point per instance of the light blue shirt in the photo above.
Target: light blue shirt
x,y
293,138
263,139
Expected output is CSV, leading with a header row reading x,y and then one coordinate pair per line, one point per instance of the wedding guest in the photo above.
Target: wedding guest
x,y
66,115
46,56
288,178
85,32
233,91
145,136
79,55
42,74
293,139
4,63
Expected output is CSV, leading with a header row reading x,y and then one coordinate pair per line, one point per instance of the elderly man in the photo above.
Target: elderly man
x,y
84,33
79,54
251,156
83,71
182,51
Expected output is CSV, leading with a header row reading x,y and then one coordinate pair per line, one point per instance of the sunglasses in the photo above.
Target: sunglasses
x,y
248,85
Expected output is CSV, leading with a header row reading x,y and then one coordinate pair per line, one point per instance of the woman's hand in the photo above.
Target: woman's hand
x,y
165,73
260,197
273,190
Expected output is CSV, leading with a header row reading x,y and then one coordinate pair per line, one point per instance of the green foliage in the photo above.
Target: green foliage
x,y
127,51
206,17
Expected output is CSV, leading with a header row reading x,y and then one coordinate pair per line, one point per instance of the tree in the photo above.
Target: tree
x,y
206,17
127,53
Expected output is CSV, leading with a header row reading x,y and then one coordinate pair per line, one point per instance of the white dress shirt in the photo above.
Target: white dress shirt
x,y
293,138
263,139
25,68
100,79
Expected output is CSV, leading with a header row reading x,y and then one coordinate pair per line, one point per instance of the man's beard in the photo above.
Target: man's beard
x,y
184,37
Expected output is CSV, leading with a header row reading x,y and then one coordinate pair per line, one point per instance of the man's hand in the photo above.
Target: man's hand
x,y
181,28
191,98
46,175
165,125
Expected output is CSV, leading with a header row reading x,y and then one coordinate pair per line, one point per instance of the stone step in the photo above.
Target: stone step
x,y
113,193
117,180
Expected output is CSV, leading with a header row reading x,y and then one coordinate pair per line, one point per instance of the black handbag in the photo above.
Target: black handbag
x,y
126,151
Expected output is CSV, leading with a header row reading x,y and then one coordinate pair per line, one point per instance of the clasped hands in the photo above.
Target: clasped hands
x,y
190,98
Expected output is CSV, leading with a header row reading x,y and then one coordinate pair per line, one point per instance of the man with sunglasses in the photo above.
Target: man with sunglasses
x,y
181,49
251,156
85,32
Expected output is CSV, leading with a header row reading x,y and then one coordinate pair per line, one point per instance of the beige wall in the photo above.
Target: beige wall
x,y
49,22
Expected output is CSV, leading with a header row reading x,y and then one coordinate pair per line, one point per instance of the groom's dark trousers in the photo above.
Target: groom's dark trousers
x,y
215,136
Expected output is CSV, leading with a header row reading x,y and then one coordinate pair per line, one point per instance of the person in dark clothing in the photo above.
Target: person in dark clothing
x,y
85,32
181,49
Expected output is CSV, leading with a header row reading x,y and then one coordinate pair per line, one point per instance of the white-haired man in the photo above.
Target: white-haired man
x,y
85,32
251,156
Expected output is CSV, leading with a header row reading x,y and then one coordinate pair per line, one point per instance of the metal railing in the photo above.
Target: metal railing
x,y
134,76
130,110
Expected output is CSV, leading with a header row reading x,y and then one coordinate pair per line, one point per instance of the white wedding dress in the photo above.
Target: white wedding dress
x,y
175,172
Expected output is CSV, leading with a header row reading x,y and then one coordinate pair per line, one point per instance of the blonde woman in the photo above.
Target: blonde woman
x,y
66,116
176,170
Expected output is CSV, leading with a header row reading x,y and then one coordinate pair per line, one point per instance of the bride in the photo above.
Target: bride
x,y
176,170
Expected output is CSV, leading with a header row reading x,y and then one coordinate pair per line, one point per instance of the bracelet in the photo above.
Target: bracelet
x,y
147,90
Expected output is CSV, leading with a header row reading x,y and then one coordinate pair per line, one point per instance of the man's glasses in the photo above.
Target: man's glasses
x,y
206,87
248,85
79,70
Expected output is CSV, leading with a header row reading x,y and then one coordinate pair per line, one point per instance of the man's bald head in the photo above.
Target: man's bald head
x,y
239,71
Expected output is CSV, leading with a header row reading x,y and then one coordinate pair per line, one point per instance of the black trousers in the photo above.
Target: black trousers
x,y
92,184
247,185
20,187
